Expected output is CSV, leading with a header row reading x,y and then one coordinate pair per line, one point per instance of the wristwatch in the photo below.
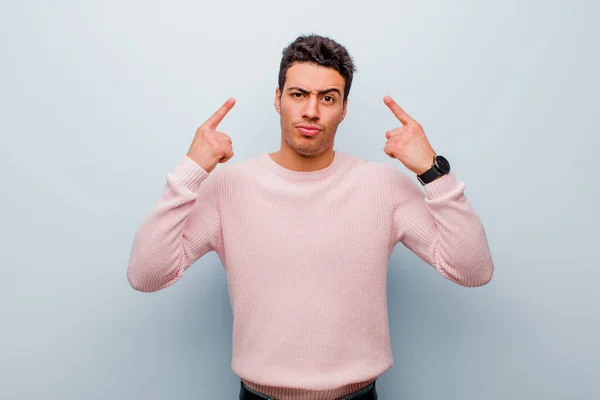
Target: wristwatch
x,y
440,167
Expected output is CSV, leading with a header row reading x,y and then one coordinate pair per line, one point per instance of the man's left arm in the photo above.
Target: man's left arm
x,y
440,225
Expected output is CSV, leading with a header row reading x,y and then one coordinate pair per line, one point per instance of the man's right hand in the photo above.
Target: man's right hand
x,y
209,146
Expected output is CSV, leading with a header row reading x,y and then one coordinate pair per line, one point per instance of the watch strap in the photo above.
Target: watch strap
x,y
429,176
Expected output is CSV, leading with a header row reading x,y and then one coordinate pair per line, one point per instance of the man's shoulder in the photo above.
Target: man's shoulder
x,y
358,161
238,168
380,168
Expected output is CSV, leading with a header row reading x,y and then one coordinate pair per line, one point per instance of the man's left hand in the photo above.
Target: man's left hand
x,y
408,143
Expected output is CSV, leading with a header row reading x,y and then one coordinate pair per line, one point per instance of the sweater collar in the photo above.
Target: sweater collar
x,y
273,166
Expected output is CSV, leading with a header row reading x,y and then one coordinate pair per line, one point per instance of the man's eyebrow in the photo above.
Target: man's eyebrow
x,y
324,91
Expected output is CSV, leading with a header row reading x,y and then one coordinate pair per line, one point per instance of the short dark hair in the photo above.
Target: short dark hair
x,y
321,51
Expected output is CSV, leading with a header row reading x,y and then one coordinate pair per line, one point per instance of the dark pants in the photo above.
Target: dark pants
x,y
367,393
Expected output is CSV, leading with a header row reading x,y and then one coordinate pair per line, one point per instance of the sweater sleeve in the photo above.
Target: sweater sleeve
x,y
441,227
182,227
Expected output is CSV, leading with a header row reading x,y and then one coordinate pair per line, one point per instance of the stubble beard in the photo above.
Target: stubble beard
x,y
306,146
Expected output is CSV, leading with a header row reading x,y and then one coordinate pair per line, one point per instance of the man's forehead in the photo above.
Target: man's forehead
x,y
313,77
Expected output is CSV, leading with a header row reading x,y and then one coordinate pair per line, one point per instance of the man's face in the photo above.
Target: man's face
x,y
311,107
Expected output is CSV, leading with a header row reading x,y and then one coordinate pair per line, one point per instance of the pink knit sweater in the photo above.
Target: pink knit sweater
x,y
306,256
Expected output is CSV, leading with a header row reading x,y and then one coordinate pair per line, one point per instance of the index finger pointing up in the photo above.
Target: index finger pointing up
x,y
218,116
397,111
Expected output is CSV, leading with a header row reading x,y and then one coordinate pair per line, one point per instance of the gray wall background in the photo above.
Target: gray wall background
x,y
100,100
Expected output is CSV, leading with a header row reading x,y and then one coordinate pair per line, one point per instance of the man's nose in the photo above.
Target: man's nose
x,y
311,108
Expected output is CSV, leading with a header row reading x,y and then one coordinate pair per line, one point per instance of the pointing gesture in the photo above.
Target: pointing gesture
x,y
209,146
408,143
214,121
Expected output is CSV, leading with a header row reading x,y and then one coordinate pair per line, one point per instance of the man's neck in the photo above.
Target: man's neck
x,y
297,162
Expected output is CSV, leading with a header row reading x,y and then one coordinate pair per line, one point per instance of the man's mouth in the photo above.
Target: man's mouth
x,y
308,130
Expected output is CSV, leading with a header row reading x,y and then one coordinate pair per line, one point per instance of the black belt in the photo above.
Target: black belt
x,y
366,393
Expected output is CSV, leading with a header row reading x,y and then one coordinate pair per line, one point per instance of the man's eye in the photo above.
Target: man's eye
x,y
297,94
328,99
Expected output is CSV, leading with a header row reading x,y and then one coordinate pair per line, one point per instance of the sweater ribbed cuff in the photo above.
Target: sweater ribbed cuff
x,y
441,186
189,174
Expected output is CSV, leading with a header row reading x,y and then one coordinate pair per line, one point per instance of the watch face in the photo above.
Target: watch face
x,y
442,164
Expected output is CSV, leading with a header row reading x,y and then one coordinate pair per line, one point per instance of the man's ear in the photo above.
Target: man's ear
x,y
344,110
278,101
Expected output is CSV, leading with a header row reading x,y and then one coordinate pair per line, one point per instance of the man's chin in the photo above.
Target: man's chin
x,y
305,145
308,151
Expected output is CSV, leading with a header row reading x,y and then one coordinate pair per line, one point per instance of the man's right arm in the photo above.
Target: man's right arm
x,y
182,227
185,224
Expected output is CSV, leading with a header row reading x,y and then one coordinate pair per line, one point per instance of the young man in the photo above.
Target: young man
x,y
305,234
